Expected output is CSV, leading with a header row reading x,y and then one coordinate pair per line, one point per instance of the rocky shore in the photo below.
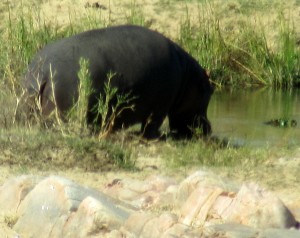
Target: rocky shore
x,y
202,205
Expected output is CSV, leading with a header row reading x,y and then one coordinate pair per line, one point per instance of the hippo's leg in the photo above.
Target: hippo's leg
x,y
180,126
184,126
150,127
47,105
204,124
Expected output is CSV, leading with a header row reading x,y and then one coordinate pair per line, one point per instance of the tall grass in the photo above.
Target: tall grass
x,y
245,58
135,15
21,40
111,104
26,32
79,111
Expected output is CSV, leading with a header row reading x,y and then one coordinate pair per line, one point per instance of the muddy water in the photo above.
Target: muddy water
x,y
239,116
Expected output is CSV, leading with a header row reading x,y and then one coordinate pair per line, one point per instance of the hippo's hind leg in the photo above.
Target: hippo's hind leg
x,y
204,124
183,126
179,127
150,127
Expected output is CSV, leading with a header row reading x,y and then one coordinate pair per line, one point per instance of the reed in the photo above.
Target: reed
x,y
246,58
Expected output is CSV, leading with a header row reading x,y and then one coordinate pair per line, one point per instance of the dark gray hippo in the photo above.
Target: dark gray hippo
x,y
163,78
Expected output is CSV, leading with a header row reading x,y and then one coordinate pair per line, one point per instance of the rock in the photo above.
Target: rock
x,y
94,217
15,190
280,233
180,230
196,208
203,200
58,207
207,203
137,221
158,225
142,194
200,206
231,231
259,208
146,225
201,179
242,231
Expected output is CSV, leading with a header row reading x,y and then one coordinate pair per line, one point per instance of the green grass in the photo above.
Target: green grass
x,y
235,59
193,153
243,58
48,149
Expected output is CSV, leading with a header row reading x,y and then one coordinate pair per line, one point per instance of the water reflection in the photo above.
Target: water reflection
x,y
240,115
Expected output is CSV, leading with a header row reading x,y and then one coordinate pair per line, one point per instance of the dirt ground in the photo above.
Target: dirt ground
x,y
162,15
165,16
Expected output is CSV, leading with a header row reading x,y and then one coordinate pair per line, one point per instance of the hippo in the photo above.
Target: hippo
x,y
162,78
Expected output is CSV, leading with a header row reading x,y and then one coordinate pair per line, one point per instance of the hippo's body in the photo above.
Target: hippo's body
x,y
161,76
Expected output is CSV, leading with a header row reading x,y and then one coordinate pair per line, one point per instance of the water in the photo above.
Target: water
x,y
239,116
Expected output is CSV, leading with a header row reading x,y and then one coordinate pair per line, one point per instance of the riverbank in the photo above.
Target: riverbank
x,y
238,52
